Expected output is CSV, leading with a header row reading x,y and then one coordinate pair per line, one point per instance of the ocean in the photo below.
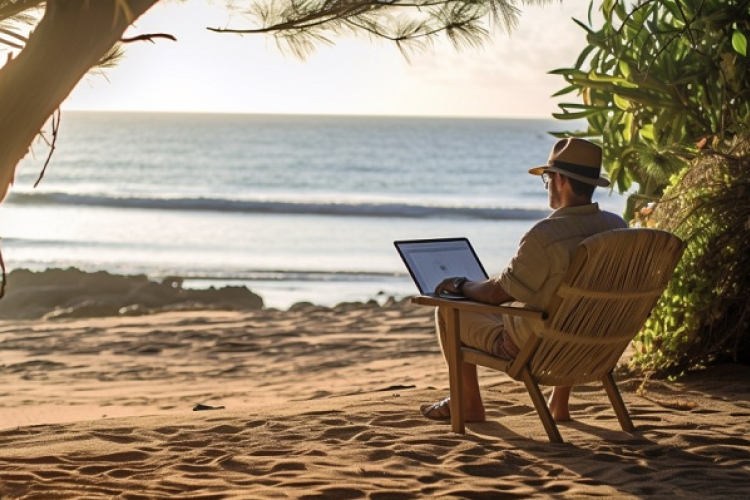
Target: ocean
x,y
296,208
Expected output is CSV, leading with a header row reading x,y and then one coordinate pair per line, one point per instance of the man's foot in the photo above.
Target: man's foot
x,y
442,411
560,416
437,411
558,407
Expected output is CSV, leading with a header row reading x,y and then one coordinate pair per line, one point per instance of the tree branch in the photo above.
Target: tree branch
x,y
331,11
310,20
149,37
55,129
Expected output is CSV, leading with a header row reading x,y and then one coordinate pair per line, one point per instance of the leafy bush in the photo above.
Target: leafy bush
x,y
665,87
704,315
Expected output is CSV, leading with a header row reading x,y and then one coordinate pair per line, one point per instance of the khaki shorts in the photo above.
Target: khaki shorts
x,y
485,332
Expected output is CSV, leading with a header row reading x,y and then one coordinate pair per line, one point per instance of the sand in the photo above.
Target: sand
x,y
322,403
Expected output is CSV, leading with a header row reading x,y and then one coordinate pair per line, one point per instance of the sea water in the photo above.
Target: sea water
x,y
297,208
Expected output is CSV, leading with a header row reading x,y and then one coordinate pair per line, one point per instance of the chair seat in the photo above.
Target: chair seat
x,y
481,358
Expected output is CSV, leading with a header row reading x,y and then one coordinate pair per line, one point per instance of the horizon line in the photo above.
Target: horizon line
x,y
302,114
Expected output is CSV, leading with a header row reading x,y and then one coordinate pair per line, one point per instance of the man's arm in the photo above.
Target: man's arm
x,y
488,291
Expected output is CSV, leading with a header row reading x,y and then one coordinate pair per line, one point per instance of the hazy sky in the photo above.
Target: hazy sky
x,y
209,72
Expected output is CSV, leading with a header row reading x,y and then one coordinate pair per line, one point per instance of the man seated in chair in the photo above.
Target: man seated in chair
x,y
570,176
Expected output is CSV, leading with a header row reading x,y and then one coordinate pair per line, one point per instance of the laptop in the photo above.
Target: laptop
x,y
430,261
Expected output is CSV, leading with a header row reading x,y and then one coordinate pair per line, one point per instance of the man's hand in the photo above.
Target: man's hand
x,y
451,285
489,291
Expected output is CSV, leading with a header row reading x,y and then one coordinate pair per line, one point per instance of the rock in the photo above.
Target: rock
x,y
66,293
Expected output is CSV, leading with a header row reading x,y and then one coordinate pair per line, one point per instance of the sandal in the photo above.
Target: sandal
x,y
437,411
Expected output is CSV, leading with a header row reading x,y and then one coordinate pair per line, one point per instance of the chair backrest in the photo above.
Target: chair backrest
x,y
613,283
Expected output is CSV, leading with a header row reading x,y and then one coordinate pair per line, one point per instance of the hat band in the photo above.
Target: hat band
x,y
574,168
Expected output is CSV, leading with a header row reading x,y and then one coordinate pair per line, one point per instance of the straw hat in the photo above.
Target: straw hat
x,y
575,158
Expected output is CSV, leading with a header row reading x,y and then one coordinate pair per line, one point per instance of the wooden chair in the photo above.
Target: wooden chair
x,y
612,284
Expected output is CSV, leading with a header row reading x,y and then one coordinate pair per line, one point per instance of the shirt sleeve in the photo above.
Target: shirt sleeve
x,y
527,271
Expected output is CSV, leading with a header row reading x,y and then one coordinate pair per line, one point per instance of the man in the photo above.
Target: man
x,y
570,176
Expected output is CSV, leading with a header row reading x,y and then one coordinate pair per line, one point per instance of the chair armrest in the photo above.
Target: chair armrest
x,y
468,305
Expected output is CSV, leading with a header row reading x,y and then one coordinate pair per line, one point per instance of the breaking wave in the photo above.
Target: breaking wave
x,y
354,209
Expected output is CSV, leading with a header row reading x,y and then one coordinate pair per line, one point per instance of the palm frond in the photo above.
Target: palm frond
x,y
655,165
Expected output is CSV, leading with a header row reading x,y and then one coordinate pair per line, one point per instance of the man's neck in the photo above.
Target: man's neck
x,y
575,201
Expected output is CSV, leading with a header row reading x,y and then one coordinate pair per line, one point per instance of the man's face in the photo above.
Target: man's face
x,y
554,190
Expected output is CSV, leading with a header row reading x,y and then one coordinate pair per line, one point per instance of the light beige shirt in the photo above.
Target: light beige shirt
x,y
543,257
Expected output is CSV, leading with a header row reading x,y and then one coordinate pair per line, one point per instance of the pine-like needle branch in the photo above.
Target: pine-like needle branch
x,y
19,10
16,17
300,25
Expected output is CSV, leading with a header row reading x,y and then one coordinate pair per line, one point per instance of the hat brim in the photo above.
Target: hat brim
x,y
601,181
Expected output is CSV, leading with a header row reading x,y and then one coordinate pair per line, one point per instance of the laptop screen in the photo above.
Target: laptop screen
x,y
431,261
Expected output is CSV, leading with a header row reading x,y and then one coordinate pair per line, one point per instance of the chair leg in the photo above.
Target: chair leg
x,y
617,403
541,407
455,360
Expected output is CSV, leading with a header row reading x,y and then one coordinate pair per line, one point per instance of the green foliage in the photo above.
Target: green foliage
x,y
665,86
656,79
739,42
704,315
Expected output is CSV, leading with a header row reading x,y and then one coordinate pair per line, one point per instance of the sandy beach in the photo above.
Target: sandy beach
x,y
322,403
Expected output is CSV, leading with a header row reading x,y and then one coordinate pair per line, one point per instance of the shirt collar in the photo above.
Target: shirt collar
x,y
587,209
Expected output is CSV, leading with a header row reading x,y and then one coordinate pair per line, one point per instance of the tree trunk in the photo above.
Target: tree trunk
x,y
71,38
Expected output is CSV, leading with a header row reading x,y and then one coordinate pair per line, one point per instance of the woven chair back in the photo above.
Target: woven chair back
x,y
613,283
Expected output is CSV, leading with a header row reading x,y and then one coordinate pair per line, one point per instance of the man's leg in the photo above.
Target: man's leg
x,y
480,331
473,405
558,403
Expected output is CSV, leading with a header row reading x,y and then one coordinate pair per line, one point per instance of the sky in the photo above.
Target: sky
x,y
225,73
